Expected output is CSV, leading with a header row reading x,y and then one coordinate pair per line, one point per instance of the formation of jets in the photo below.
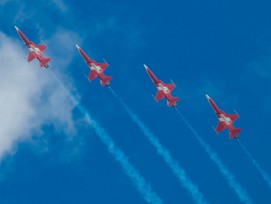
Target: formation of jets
x,y
163,90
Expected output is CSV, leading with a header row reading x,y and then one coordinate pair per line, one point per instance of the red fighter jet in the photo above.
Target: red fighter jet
x,y
225,120
35,51
96,69
163,90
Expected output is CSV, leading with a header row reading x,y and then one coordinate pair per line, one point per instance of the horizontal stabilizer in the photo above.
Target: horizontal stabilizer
x,y
173,102
44,62
105,80
235,132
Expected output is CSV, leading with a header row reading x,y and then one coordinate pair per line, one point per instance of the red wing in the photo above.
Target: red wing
x,y
170,86
103,66
92,75
233,117
31,56
159,95
220,127
42,47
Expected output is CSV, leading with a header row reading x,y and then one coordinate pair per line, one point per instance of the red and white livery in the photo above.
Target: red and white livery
x,y
35,51
225,120
96,69
163,90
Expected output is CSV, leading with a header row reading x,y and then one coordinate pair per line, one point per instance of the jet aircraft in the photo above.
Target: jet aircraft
x,y
96,69
163,90
35,51
225,120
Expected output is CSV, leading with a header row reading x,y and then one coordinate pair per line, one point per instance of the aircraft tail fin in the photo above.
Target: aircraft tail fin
x,y
235,132
44,62
173,102
105,80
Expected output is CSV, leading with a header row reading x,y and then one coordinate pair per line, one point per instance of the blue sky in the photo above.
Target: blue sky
x,y
219,48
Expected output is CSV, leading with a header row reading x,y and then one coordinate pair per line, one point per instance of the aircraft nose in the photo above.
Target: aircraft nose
x,y
207,96
77,46
145,67
16,28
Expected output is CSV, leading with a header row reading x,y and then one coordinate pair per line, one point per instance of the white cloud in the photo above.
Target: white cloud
x,y
34,14
62,44
60,5
29,97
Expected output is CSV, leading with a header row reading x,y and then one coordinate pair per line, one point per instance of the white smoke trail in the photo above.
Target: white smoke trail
x,y
141,184
265,176
238,189
164,152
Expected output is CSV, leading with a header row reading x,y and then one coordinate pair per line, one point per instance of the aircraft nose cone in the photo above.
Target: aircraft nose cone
x,y
145,67
77,47
207,97
16,28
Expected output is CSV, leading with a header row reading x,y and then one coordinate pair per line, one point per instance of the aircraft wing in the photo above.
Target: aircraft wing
x,y
103,66
92,75
233,117
170,86
220,127
159,95
42,47
31,56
